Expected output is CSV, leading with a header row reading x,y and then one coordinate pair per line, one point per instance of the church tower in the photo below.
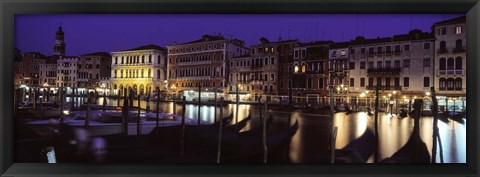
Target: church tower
x,y
59,45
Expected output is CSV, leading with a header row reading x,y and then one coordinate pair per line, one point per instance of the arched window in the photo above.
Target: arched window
x,y
442,84
450,84
296,68
458,44
303,67
143,59
443,64
458,83
450,64
443,45
458,63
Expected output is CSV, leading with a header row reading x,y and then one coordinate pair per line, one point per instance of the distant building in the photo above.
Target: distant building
x,y
67,72
91,68
240,77
400,65
339,67
48,73
18,68
59,44
310,73
450,60
142,69
285,68
202,63
270,64
31,68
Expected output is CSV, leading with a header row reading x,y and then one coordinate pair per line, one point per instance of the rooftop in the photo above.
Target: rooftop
x,y
461,19
103,54
206,38
147,47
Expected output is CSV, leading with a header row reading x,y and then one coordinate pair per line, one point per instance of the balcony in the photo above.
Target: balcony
x,y
384,87
382,71
316,72
459,50
442,50
451,72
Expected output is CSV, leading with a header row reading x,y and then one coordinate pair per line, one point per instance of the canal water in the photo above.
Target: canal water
x,y
311,141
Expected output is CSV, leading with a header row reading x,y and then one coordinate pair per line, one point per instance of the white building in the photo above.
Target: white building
x,y
450,62
401,65
142,69
67,72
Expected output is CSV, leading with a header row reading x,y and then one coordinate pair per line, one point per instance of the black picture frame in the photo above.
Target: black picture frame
x,y
9,8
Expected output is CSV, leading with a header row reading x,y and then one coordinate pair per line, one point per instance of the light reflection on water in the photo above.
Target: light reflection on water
x,y
311,139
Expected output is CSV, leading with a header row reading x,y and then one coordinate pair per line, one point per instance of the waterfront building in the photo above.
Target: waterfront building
x,y
310,75
450,62
18,68
67,72
339,66
265,70
48,73
400,65
141,69
31,68
202,63
285,68
91,68
240,78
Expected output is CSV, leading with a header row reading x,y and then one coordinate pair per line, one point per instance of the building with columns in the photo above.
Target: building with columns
x,y
202,62
142,69
450,61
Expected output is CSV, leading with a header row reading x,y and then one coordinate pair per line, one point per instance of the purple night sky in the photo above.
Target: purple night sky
x,y
107,33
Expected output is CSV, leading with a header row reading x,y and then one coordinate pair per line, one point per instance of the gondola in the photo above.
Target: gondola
x,y
357,151
414,151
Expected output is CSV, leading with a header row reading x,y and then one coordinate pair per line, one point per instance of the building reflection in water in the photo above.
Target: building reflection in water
x,y
311,140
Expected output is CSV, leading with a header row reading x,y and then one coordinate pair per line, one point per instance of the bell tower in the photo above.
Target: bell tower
x,y
59,44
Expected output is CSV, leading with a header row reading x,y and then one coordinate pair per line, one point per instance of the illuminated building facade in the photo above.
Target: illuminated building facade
x,y
310,74
450,60
141,69
67,72
202,63
400,65
240,70
92,67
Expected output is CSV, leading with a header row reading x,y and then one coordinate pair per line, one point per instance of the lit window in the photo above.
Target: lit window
x,y
343,52
303,68
458,30
296,68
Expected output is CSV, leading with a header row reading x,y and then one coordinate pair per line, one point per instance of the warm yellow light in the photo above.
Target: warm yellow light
x,y
296,69
362,95
366,91
427,93
394,92
389,95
